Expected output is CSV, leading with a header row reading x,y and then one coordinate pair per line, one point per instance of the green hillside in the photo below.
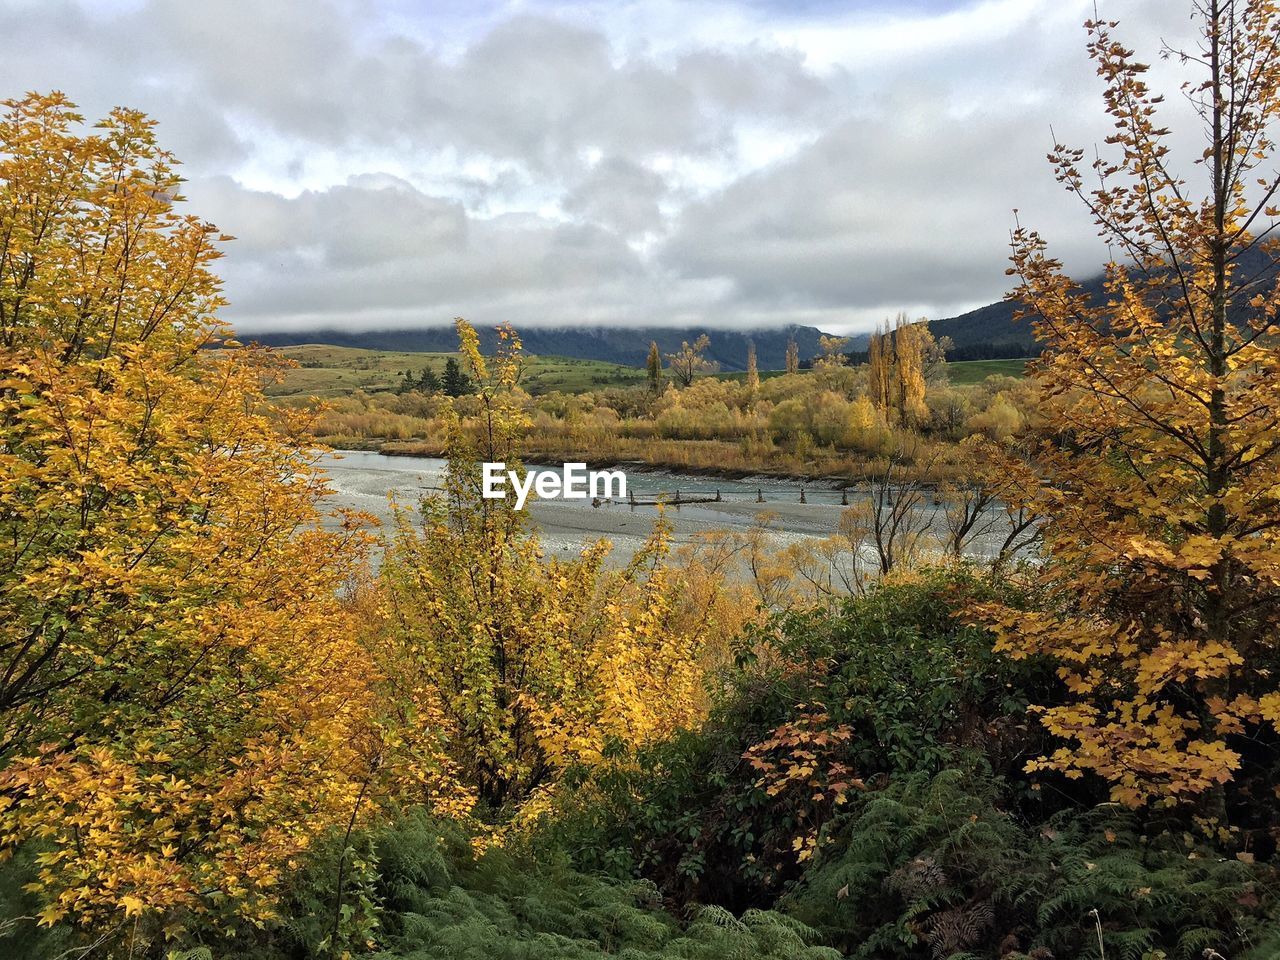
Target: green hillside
x,y
328,371
975,371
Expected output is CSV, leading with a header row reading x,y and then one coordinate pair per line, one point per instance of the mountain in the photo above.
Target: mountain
x,y
990,332
629,346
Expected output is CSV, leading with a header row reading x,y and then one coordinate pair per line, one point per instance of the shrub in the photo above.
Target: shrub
x,y
883,685
939,866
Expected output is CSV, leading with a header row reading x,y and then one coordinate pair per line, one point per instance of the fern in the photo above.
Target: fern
x,y
932,867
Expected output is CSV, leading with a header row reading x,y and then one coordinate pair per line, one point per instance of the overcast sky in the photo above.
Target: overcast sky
x,y
391,163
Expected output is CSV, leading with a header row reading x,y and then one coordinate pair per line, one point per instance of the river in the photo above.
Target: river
x,y
367,481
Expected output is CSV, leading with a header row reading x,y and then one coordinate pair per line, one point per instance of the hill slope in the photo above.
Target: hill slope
x,y
990,332
627,346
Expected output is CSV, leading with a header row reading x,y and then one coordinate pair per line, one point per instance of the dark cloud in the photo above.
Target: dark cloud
x,y
389,162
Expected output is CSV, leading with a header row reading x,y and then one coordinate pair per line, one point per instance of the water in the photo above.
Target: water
x,y
367,481
424,474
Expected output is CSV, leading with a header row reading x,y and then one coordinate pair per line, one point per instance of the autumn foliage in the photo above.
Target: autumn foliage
x,y
535,664
227,729
183,705
1162,520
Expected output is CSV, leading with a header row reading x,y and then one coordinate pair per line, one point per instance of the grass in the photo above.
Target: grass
x,y
326,371
975,371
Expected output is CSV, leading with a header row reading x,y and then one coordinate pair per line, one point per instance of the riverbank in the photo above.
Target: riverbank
x,y
704,458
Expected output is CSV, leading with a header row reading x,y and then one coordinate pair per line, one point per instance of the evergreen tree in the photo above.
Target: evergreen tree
x,y
456,383
429,382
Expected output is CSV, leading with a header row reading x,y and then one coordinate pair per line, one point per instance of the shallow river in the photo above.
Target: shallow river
x,y
366,481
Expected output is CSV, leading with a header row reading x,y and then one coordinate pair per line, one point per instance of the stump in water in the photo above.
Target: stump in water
x,y
717,496
759,495
844,496
802,499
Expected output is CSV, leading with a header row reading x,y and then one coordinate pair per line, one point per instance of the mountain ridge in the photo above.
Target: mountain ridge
x,y
624,345
989,332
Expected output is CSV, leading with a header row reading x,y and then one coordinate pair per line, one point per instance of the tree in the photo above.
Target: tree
x,y
880,370
908,366
1159,497
753,372
534,664
428,382
689,361
793,355
183,705
896,361
831,352
653,367
456,383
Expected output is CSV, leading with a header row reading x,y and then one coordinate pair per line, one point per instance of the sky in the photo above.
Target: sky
x,y
730,163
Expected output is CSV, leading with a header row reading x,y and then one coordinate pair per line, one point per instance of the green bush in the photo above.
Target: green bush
x,y
937,867
421,893
439,901
913,680
917,689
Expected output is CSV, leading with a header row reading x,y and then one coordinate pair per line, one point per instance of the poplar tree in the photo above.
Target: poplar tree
x,y
880,370
793,356
908,351
654,368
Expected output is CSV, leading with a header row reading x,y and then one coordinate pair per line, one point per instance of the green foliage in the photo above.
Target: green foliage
x,y
949,850
916,688
936,866
898,666
19,934
440,900
455,383
444,904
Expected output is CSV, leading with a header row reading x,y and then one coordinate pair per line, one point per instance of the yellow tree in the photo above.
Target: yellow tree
x,y
690,360
753,371
793,355
880,370
1160,495
908,368
653,368
534,662
831,351
182,705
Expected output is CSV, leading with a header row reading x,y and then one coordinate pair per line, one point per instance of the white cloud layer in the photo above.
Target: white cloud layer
x,y
397,163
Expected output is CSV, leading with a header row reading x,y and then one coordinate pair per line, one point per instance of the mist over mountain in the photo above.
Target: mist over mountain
x,y
628,346
989,332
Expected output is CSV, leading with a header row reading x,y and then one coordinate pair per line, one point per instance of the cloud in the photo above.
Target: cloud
x,y
392,163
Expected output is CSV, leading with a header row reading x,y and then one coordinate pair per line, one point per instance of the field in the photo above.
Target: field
x,y
975,371
326,371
